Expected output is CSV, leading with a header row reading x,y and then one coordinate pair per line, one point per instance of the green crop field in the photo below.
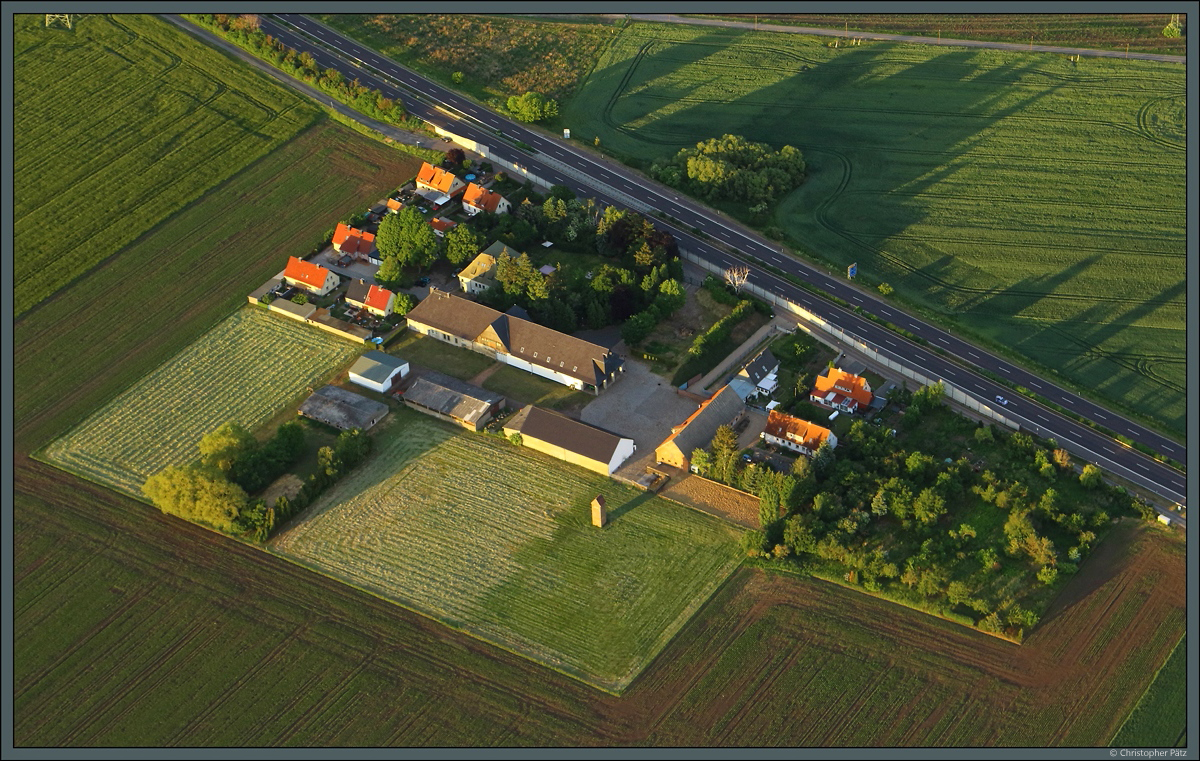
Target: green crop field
x,y
244,369
1031,201
497,541
121,122
1160,719
159,294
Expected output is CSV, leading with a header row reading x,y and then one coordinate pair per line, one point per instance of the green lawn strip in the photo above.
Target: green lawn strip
x,y
125,121
521,387
161,293
1160,718
463,364
1084,277
244,370
495,541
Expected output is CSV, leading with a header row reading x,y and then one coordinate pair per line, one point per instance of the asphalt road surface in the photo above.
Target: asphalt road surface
x,y
560,162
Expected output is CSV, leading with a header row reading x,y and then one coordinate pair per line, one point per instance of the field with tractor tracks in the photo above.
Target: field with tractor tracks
x,y
1031,201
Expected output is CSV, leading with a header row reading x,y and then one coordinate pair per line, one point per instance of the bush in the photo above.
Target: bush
x,y
300,298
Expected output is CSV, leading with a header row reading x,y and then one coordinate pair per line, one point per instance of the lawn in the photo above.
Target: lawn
x,y
913,155
463,364
124,121
497,541
522,388
243,370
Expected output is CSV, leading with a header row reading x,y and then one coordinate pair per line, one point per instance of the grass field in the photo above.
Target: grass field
x,y
1160,718
124,121
497,541
463,364
134,628
1142,32
1033,202
244,370
521,387
497,56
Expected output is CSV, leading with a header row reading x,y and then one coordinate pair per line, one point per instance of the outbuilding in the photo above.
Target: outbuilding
x,y
378,371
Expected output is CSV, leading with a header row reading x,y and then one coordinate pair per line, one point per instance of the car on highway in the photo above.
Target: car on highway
x,y
1001,400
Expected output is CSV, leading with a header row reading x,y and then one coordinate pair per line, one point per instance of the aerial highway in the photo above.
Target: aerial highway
x,y
727,243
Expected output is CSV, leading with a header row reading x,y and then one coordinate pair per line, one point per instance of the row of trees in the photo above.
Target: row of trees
x,y
244,30
531,107
735,169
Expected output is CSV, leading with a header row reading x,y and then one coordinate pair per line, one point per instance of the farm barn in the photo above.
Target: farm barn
x,y
453,400
577,443
724,408
342,409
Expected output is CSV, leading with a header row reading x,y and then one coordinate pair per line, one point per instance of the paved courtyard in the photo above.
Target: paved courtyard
x,y
641,406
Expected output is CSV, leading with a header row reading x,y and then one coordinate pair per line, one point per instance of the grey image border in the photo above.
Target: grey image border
x,y
470,6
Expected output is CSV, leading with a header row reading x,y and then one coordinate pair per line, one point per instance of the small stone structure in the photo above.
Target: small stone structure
x,y
599,513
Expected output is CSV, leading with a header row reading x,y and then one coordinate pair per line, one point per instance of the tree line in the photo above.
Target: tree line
x,y
735,169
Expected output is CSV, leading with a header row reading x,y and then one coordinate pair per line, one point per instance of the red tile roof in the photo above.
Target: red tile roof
x,y
436,178
349,240
394,205
442,225
377,298
481,198
838,381
312,275
806,434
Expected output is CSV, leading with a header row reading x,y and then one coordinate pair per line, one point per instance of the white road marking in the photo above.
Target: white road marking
x,y
1043,418
857,299
1143,467
973,354
943,340
1097,414
1032,384
1005,369
889,343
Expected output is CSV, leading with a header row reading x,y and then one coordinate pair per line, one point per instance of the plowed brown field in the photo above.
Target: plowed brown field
x,y
132,628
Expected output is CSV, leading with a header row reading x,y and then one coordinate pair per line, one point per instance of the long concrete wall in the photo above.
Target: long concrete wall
x,y
484,151
846,338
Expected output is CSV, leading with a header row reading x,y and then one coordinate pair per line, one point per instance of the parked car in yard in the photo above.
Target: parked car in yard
x,y
424,281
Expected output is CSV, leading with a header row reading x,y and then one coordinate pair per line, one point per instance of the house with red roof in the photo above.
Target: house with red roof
x,y
796,434
842,391
435,183
356,243
311,277
441,226
370,297
478,198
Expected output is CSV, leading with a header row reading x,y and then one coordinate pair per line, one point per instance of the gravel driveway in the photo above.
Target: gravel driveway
x,y
641,406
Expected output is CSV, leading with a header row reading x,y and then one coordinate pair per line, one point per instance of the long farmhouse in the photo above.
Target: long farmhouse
x,y
537,349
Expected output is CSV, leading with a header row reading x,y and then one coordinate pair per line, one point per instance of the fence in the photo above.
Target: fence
x,y
846,338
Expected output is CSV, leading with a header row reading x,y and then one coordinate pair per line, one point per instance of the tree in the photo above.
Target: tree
x,y
389,272
724,441
638,327
701,461
824,460
197,493
403,303
1091,477
736,277
754,543
532,107
455,157
798,536
352,447
801,467
928,506
329,462
885,289
671,297
408,238
222,446
1062,458
457,77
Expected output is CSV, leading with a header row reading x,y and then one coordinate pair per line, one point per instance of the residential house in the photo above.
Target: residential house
x,y
479,275
796,434
452,400
343,409
478,198
356,243
442,226
759,376
311,277
438,186
378,371
723,408
531,347
842,391
376,300
578,443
